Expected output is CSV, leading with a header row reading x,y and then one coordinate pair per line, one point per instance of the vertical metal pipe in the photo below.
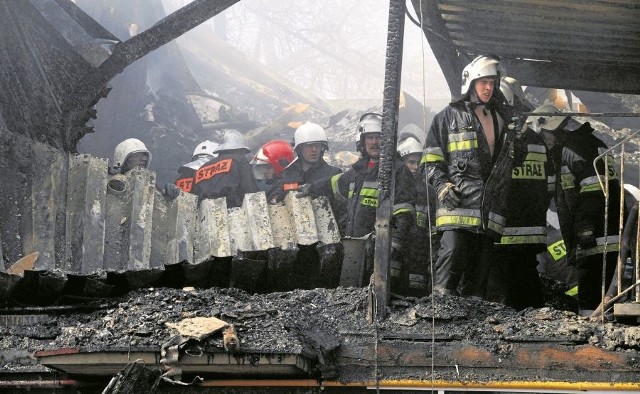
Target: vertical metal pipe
x,y
606,233
637,261
621,218
386,180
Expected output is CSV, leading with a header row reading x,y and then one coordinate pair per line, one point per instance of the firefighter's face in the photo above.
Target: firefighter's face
x,y
263,171
484,88
412,161
372,145
138,159
311,152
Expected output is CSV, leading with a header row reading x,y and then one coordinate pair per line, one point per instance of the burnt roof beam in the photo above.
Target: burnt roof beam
x,y
86,90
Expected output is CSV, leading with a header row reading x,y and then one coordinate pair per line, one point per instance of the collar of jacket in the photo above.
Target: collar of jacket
x,y
362,164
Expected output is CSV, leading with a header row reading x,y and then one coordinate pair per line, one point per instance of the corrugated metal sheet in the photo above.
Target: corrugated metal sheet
x,y
85,222
588,45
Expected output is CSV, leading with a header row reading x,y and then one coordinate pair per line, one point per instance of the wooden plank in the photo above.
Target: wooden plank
x,y
627,310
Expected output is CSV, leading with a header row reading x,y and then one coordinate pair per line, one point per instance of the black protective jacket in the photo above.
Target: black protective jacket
x,y
229,175
293,176
579,196
187,171
456,151
358,188
532,187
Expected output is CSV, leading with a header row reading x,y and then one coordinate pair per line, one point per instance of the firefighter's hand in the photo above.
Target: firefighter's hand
x,y
304,191
586,237
449,196
518,125
396,250
171,191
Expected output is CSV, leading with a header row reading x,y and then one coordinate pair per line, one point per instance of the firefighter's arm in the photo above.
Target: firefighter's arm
x,y
403,206
435,157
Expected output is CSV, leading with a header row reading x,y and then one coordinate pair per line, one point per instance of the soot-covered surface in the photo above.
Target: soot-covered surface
x,y
329,328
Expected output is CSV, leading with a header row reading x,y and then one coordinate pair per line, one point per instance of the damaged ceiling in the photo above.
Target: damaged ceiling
x,y
590,45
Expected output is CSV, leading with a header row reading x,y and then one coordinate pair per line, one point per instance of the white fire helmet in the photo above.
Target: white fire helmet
x,y
409,146
481,66
205,148
125,149
549,122
232,140
370,122
310,132
511,89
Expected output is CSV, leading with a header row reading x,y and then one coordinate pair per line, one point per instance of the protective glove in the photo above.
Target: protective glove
x,y
304,191
171,191
449,196
518,125
586,237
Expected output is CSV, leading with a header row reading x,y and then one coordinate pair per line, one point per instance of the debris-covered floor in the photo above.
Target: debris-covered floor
x,y
329,327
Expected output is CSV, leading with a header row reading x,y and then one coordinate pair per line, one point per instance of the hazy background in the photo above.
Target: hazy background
x,y
334,48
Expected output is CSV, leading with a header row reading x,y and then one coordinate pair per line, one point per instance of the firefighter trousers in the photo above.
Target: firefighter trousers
x,y
463,263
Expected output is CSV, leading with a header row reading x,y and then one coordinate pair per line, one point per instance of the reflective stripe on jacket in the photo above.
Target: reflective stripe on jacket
x,y
456,151
529,195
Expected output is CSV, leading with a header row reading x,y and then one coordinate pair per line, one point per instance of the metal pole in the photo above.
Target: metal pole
x,y
619,263
386,179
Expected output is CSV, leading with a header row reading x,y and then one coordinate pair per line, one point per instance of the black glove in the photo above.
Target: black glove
x,y
304,191
518,125
586,237
449,196
171,191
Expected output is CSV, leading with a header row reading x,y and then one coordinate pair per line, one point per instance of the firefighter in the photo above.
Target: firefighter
x,y
358,189
513,278
466,160
418,257
129,154
309,142
268,163
581,201
228,175
202,154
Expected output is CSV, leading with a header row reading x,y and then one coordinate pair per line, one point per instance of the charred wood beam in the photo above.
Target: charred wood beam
x,y
86,92
386,178
135,378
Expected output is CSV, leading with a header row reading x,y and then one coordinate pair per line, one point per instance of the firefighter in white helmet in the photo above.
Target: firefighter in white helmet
x,y
129,154
309,143
580,200
422,237
229,174
132,153
358,189
203,152
462,153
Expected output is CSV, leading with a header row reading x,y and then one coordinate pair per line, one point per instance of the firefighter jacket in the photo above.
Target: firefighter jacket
x,y
293,176
532,187
229,175
425,200
456,151
579,195
358,188
186,173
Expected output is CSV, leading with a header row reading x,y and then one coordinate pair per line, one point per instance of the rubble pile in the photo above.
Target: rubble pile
x,y
313,323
